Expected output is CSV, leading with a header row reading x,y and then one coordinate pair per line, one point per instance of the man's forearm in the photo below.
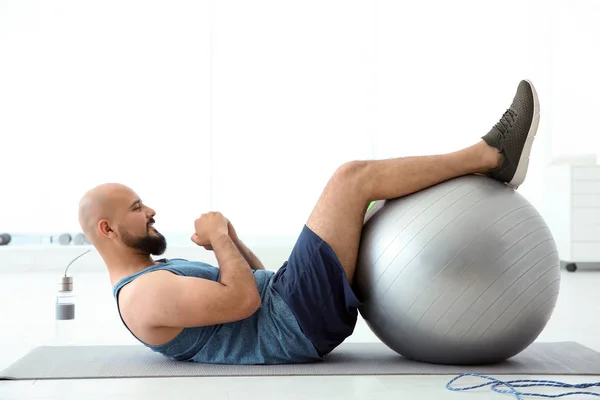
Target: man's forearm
x,y
248,255
235,271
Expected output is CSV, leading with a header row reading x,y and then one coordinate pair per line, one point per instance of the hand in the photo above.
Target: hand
x,y
209,227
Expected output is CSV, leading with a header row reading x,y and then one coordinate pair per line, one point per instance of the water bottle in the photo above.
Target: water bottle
x,y
65,299
65,332
64,328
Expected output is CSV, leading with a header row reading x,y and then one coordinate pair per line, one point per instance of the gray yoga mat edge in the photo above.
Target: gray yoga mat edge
x,y
137,361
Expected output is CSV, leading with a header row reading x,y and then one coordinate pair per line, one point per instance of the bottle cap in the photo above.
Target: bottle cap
x,y
65,284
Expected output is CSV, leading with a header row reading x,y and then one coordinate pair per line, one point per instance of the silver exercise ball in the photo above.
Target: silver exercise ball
x,y
465,272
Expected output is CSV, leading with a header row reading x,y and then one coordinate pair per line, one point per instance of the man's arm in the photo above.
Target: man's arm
x,y
178,301
248,255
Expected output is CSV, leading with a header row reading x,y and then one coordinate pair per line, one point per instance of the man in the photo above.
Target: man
x,y
240,313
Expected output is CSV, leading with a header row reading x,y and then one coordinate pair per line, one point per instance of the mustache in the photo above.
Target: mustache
x,y
151,221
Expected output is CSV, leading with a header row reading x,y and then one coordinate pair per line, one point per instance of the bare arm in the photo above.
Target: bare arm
x,y
179,301
228,254
248,255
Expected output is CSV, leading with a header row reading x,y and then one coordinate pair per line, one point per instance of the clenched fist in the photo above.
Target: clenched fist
x,y
208,228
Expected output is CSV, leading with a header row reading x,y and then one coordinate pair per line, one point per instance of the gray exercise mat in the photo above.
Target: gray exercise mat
x,y
133,361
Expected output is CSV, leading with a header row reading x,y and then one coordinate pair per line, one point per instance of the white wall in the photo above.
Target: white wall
x,y
248,107
102,91
575,77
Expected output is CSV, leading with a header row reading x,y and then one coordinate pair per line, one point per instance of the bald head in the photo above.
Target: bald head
x,y
112,215
101,202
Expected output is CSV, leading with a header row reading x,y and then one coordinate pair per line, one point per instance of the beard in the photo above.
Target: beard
x,y
148,244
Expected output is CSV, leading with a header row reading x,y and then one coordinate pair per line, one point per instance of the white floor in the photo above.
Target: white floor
x,y
27,321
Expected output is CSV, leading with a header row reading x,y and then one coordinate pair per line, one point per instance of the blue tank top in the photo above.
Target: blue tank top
x,y
270,336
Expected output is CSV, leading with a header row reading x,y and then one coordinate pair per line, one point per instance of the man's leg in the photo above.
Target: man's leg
x,y
339,214
503,154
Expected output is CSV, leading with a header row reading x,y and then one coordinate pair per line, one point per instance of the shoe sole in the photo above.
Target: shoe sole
x,y
523,165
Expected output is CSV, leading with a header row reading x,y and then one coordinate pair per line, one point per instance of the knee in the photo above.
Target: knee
x,y
351,174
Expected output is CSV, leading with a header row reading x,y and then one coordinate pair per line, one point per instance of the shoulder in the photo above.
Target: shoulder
x,y
148,294
140,288
139,297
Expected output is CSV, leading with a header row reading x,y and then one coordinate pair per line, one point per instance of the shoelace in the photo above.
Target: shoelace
x,y
507,121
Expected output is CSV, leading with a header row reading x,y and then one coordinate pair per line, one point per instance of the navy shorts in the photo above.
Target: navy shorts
x,y
314,285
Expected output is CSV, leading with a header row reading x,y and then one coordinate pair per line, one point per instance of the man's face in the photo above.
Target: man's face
x,y
137,231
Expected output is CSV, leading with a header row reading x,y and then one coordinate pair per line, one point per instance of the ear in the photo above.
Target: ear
x,y
105,229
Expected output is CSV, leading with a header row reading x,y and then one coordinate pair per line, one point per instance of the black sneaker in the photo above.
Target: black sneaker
x,y
513,135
